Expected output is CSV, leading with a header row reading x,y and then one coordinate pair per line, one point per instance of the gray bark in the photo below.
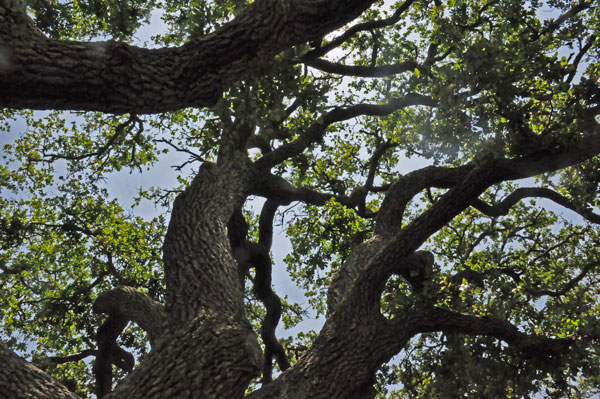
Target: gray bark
x,y
20,379
41,73
204,346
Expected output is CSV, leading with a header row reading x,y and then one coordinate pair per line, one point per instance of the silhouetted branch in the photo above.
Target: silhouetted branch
x,y
530,345
365,26
359,70
503,207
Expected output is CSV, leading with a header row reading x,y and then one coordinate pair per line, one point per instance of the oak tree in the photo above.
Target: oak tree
x,y
434,165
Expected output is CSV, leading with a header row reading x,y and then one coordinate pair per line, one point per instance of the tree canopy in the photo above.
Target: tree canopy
x,y
434,165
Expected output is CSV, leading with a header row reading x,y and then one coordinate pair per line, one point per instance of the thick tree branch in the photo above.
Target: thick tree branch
x,y
135,306
389,218
502,208
41,73
531,346
20,379
483,174
196,247
207,328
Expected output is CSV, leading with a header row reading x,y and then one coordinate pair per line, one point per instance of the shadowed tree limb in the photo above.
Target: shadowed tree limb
x,y
486,172
569,285
41,73
359,70
389,218
19,379
256,255
135,306
557,23
107,336
503,207
530,345
120,358
365,26
72,358
264,292
122,305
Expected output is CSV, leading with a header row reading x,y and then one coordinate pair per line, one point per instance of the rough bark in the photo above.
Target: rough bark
x,y
41,73
20,379
134,306
203,346
208,344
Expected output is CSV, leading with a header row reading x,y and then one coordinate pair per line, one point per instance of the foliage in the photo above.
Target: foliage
x,y
507,80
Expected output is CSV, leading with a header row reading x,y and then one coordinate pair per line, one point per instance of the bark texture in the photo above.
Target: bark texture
x,y
20,379
202,344
41,73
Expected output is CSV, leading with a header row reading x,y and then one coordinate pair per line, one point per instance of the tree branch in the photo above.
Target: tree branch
x,y
531,346
365,26
358,70
135,306
19,379
41,73
251,254
264,292
577,8
486,172
72,358
569,285
389,218
108,352
503,207
316,131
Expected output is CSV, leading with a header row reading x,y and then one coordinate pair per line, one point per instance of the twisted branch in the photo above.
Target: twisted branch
x,y
250,254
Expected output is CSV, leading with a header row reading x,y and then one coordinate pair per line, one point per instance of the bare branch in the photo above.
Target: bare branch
x,y
502,208
359,70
